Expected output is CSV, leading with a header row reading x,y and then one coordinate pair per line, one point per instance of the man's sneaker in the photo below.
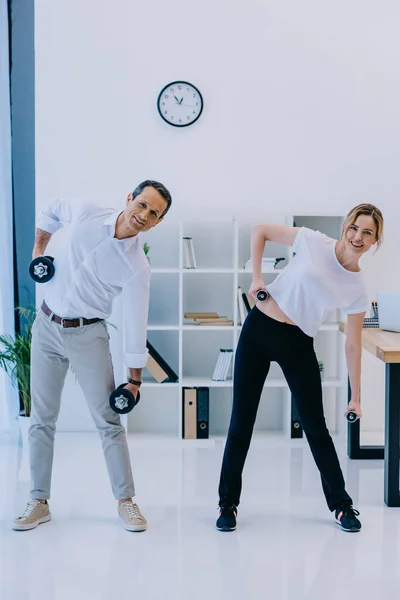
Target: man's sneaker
x,y
346,517
36,512
227,518
131,517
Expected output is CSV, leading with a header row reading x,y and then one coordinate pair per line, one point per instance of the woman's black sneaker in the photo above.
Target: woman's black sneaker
x,y
227,518
346,517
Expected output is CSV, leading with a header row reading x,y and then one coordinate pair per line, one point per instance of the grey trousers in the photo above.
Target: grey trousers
x,y
86,349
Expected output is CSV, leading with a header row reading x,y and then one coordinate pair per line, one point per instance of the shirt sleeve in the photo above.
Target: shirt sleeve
x,y
58,212
361,305
135,298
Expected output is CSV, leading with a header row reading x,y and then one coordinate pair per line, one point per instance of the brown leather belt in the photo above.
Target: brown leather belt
x,y
67,322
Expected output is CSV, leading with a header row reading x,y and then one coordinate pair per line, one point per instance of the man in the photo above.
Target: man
x,y
102,259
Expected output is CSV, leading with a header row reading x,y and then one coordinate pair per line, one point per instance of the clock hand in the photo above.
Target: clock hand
x,y
177,100
181,100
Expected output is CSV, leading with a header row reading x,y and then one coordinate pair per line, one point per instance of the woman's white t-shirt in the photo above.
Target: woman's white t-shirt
x,y
314,283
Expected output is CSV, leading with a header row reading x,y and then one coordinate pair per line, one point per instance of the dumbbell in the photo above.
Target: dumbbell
x,y
262,295
351,417
122,400
41,269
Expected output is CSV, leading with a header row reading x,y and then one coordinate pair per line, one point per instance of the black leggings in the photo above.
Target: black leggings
x,y
263,340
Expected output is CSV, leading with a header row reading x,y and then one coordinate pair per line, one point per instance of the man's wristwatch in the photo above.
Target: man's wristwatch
x,y
134,382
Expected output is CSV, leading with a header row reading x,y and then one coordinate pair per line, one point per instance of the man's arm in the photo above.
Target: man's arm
x,y
41,240
136,295
51,219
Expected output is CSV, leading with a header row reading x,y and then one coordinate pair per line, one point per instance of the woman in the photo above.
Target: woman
x,y
323,275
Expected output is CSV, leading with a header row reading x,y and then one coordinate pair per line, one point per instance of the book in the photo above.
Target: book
x,y
158,367
212,320
251,300
201,315
267,264
189,258
242,311
217,368
186,254
192,254
216,324
246,303
223,364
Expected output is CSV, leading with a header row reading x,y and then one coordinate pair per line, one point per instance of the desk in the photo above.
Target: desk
x,y
385,345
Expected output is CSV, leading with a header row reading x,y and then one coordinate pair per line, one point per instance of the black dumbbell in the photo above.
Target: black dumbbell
x,y
262,295
41,269
122,400
351,417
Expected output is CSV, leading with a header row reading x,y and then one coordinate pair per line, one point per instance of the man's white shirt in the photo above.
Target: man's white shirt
x,y
94,267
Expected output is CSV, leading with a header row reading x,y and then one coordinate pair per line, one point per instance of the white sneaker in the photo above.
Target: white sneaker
x,y
131,517
36,512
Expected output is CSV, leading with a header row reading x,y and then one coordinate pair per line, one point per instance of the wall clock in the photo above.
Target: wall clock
x,y
180,103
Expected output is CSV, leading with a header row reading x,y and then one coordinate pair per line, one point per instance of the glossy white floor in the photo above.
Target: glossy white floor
x,y
286,545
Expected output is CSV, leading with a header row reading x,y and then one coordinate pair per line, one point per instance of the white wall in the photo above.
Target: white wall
x,y
301,106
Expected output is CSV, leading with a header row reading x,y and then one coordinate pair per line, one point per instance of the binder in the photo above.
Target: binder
x,y
195,413
156,370
189,425
158,367
203,406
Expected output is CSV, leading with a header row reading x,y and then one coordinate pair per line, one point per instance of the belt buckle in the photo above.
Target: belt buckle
x,y
62,321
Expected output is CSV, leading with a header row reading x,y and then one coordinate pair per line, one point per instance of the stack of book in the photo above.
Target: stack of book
x,y
223,364
267,264
245,304
189,258
371,322
158,367
208,319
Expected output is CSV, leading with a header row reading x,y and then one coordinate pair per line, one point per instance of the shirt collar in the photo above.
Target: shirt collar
x,y
111,222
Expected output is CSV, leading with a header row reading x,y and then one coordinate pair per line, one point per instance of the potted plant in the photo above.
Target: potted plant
x,y
146,249
15,359
321,368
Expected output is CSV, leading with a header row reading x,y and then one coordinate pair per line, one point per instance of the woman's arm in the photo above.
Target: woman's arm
x,y
353,350
273,232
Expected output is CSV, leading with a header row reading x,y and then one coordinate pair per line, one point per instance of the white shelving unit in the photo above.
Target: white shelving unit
x,y
222,248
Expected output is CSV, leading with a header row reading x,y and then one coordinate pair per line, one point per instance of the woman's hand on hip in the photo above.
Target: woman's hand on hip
x,y
256,285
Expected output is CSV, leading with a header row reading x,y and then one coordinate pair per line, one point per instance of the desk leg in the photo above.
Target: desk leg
x,y
392,434
354,450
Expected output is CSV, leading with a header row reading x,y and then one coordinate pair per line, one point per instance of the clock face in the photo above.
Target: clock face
x,y
180,103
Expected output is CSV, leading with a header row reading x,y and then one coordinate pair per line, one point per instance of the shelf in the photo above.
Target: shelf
x,y
146,383
324,327
208,327
271,382
267,271
221,252
209,271
204,382
163,328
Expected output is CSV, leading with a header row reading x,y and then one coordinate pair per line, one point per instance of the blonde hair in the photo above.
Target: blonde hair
x,y
369,210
